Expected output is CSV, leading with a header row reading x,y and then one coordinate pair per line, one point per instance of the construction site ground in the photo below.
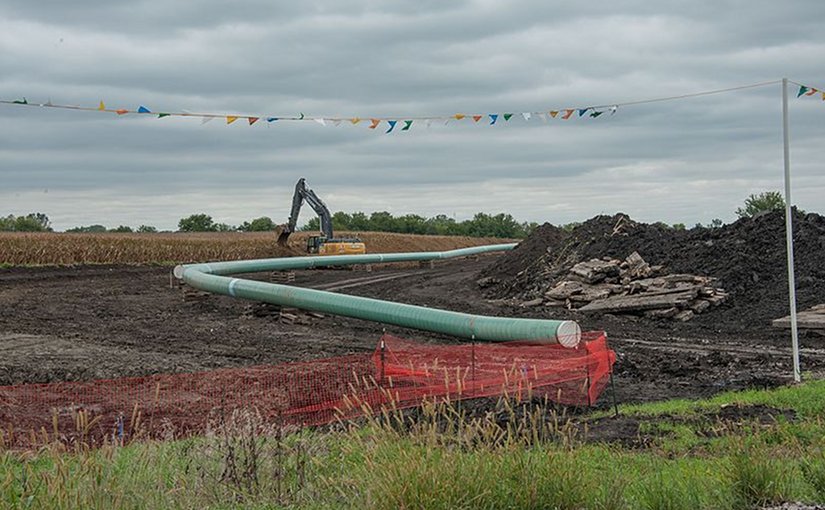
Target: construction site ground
x,y
92,322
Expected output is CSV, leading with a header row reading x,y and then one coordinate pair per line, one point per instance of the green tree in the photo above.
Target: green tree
x,y
262,224
197,223
313,225
765,201
89,229
147,229
715,223
32,222
122,229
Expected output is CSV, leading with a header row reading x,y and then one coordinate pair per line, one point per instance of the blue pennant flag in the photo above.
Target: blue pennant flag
x,y
271,119
582,111
493,118
392,124
143,109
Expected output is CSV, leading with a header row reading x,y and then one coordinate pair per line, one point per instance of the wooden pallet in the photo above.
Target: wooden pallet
x,y
812,319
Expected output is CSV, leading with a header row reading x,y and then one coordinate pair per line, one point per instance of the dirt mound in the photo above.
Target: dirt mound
x,y
747,257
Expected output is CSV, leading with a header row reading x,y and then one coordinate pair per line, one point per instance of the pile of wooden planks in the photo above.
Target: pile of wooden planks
x,y
812,319
633,286
282,314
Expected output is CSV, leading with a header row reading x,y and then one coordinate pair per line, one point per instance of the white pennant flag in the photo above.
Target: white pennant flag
x,y
321,122
543,117
336,122
526,116
613,109
429,123
204,120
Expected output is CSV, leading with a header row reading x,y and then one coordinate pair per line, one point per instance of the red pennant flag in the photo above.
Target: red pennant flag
x,y
121,111
553,113
811,92
252,120
374,123
567,114
476,118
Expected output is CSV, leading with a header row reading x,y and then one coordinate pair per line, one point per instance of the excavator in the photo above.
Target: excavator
x,y
326,243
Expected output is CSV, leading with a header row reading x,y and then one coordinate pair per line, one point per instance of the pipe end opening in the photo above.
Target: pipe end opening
x,y
569,334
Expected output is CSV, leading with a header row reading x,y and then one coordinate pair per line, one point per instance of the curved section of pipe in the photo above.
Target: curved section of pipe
x,y
212,278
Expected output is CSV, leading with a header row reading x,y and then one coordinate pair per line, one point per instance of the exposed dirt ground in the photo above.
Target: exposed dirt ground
x,y
91,322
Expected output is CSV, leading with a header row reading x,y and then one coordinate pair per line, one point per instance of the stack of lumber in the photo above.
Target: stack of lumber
x,y
812,319
633,286
282,314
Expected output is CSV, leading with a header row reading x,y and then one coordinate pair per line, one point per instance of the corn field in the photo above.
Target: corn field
x,y
32,249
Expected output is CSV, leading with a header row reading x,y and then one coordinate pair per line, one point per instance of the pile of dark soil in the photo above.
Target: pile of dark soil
x,y
748,258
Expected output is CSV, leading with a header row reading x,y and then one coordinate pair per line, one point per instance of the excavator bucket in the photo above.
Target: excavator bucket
x,y
283,232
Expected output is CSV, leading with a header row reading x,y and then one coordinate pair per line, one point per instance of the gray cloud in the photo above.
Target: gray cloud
x,y
684,161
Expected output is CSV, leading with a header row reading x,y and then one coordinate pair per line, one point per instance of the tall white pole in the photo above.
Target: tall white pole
x,y
789,232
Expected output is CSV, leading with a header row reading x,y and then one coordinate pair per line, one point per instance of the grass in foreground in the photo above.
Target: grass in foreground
x,y
446,460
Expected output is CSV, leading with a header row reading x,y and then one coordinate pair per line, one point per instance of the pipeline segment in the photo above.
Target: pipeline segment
x,y
212,277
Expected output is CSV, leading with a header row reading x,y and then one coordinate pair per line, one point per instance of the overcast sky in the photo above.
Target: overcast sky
x,y
682,161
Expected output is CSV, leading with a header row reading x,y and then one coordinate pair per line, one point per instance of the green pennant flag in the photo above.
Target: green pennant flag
x,y
596,114
162,115
507,116
18,101
407,124
802,90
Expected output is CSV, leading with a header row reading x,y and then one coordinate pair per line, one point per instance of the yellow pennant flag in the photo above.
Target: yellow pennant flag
x,y
102,106
823,96
553,113
230,119
355,120
459,116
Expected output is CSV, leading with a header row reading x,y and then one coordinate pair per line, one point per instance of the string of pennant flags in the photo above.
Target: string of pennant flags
x,y
406,123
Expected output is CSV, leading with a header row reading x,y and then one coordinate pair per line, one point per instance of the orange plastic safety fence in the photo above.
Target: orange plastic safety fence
x,y
399,372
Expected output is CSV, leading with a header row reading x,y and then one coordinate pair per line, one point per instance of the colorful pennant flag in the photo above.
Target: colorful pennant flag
x,y
507,116
582,111
459,116
596,114
526,116
252,120
407,124
374,123
143,109
20,101
493,118
102,106
811,92
162,115
231,118
392,124
802,90
355,120
567,114
553,113
271,119
121,111
476,118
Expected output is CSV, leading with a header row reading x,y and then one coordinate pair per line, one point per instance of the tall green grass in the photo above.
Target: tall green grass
x,y
442,458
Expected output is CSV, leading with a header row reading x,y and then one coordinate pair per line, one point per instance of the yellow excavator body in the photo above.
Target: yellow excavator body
x,y
342,248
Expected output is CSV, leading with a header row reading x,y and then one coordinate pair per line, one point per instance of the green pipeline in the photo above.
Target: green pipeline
x,y
212,277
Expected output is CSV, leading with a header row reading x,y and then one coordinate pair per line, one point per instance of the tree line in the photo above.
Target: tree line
x,y
481,225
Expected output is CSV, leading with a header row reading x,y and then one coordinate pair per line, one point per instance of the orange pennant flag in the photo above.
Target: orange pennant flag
x,y
476,118
252,120
230,119
823,96
374,123
553,113
355,120
102,106
567,114
122,111
459,116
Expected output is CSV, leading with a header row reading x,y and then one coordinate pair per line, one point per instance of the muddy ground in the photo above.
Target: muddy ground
x,y
81,323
